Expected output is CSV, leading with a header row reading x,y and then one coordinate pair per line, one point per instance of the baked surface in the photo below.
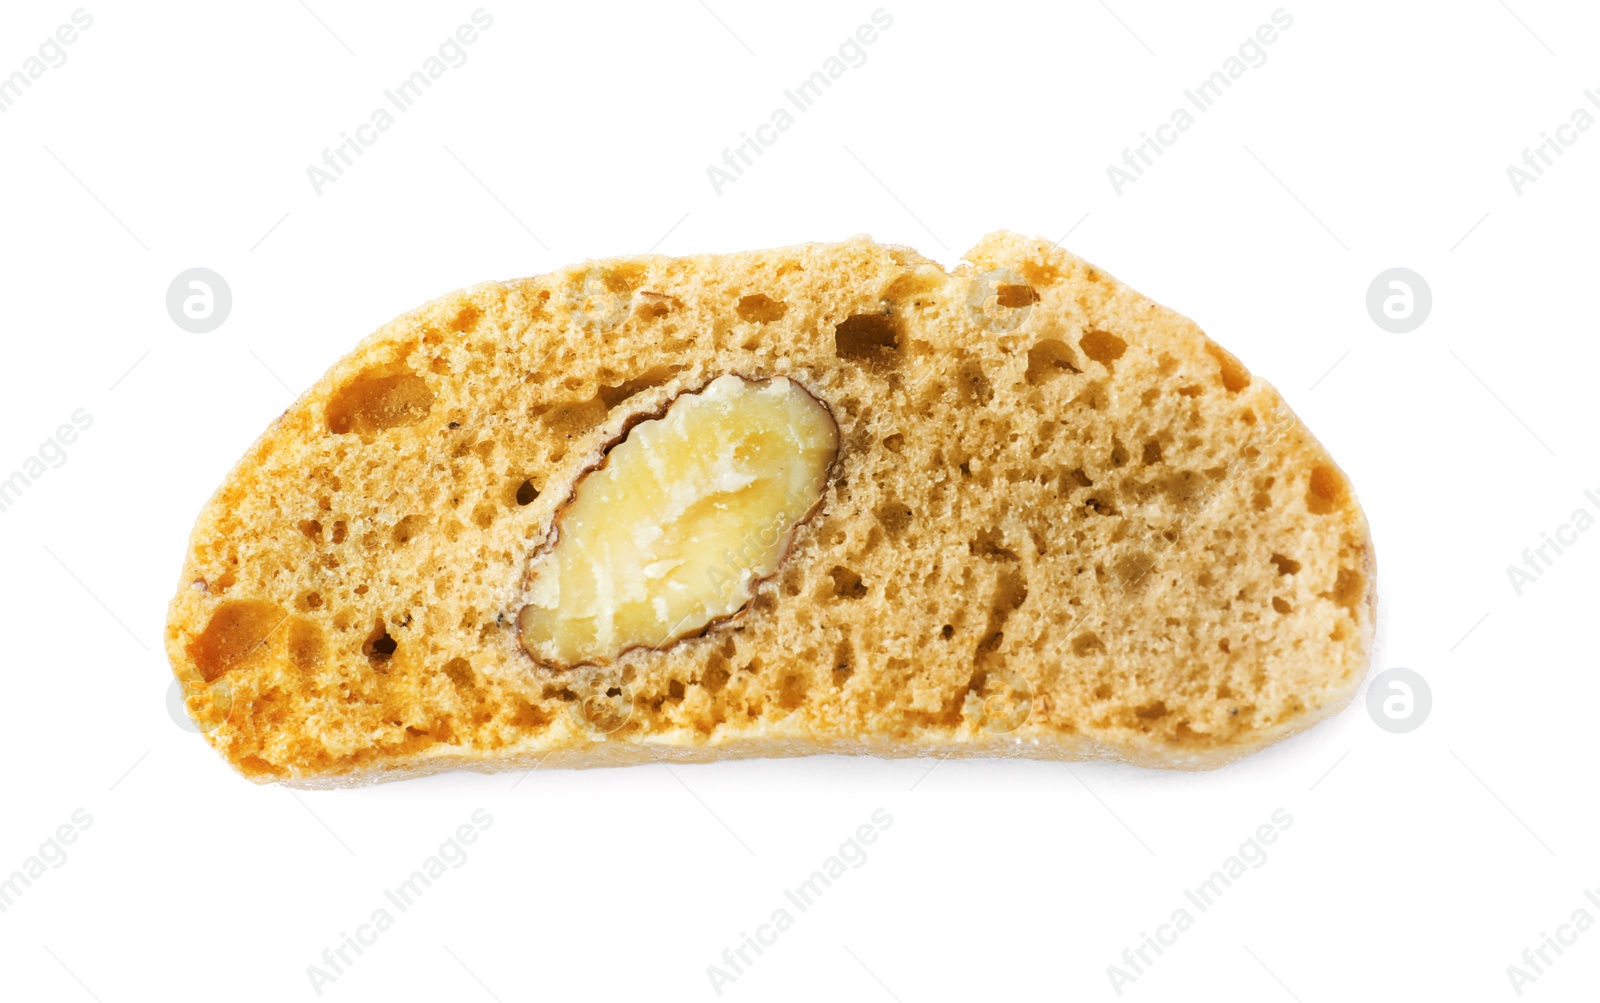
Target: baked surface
x,y
1062,523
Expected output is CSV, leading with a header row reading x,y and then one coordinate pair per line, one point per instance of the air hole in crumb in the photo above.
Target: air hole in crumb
x,y
1348,588
1224,647
974,384
1152,453
947,632
526,493
1093,395
894,517
846,583
466,319
792,692
460,672
893,442
311,528
379,646
1084,644
654,306
524,715
372,402
1015,297
915,285
844,657
1047,360
990,545
1285,565
1325,490
1153,711
624,277
1281,605
651,378
758,308
406,530
1235,377
1102,346
716,675
235,631
870,338
339,531
1099,507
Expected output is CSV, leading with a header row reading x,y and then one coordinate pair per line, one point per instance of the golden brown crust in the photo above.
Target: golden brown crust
x,y
1046,484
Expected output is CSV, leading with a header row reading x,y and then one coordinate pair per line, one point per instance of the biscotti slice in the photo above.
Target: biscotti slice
x,y
825,499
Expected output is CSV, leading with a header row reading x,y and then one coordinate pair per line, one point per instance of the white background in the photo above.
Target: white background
x,y
1417,866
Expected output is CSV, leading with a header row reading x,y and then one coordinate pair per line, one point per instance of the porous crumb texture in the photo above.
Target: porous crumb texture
x,y
1063,523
